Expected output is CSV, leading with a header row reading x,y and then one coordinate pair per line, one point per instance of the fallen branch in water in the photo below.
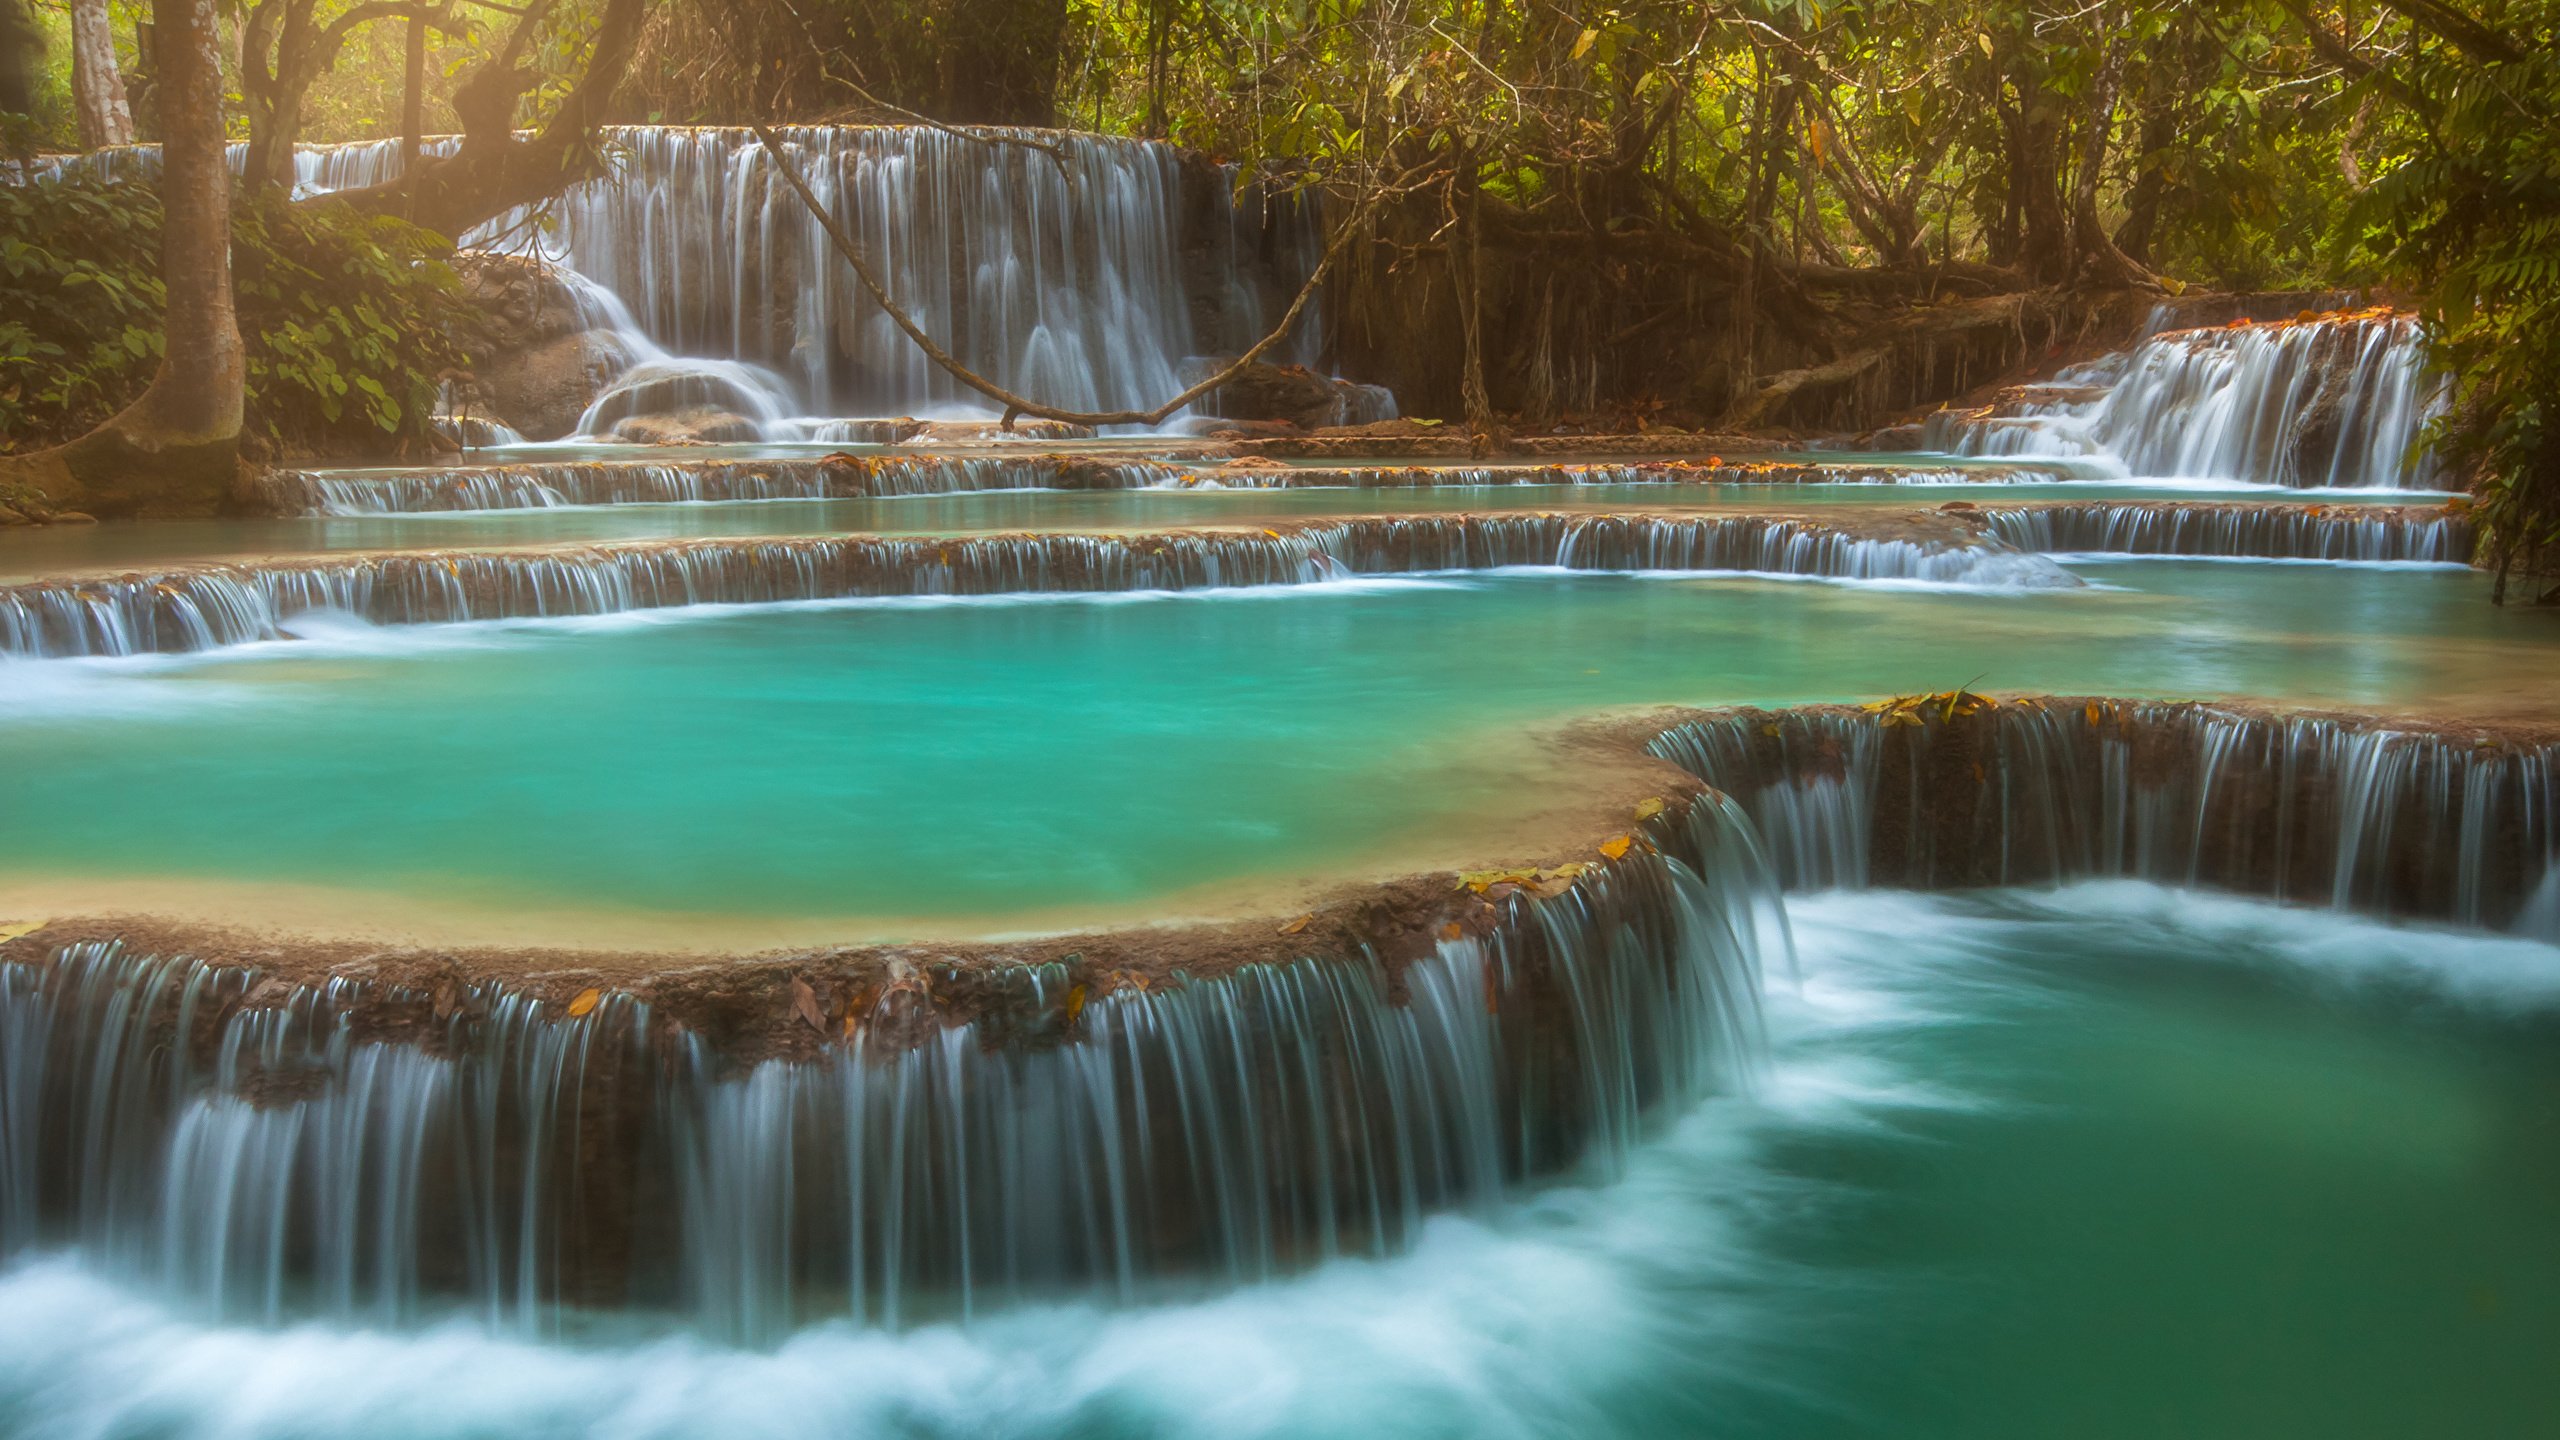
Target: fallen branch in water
x,y
1020,405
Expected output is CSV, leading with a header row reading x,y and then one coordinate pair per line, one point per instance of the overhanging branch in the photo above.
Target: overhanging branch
x,y
1019,405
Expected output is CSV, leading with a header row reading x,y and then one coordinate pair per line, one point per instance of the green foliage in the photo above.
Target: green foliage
x,y
2469,209
350,325
349,320
80,303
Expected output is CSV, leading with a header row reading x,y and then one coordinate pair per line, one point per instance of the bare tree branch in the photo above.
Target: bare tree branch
x,y
1018,405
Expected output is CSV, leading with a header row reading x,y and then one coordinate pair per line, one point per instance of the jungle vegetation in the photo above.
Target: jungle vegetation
x,y
1724,211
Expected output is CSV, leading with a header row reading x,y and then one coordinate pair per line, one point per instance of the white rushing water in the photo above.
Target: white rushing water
x,y
1676,1300
1059,265
1081,270
2338,402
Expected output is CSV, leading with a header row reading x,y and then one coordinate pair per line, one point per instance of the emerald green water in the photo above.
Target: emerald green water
x,y
35,553
986,758
2112,1163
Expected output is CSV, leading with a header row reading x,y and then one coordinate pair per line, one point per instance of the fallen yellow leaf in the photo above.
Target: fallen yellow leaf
x,y
1075,1002
1647,809
1618,847
1452,930
1294,926
586,1002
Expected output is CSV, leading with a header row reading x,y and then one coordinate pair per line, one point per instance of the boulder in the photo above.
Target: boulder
x,y
540,392
686,427
524,302
1291,393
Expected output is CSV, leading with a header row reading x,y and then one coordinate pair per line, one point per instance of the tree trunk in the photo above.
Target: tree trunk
x,y
493,171
174,450
2150,185
2035,184
97,90
2095,258
21,57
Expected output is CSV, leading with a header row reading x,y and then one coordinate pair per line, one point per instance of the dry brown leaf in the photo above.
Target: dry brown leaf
x,y
805,1000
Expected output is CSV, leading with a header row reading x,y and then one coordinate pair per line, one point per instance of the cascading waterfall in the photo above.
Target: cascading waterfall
x,y
1059,265
2372,534
617,482
630,482
210,606
2452,826
377,1152
340,1149
1058,275
1642,472
2337,401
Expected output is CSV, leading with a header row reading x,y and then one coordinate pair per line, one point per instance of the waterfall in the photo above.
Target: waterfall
x,y
2372,534
2332,401
633,482
615,482
1054,264
967,1136
204,607
2447,825
1080,269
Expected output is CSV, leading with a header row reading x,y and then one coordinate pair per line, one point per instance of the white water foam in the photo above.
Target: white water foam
x,y
1530,1323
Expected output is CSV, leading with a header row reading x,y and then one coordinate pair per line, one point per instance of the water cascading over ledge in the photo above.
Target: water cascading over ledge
x,y
2329,401
2365,533
893,1135
2445,823
205,607
543,484
1081,269
1074,276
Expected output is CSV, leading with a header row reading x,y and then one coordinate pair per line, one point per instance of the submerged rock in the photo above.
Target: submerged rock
x,y
1292,393
686,427
540,392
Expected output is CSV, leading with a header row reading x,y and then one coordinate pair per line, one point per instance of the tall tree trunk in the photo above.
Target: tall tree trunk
x,y
174,450
97,89
21,57
413,96
2035,186
2095,258
2150,184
